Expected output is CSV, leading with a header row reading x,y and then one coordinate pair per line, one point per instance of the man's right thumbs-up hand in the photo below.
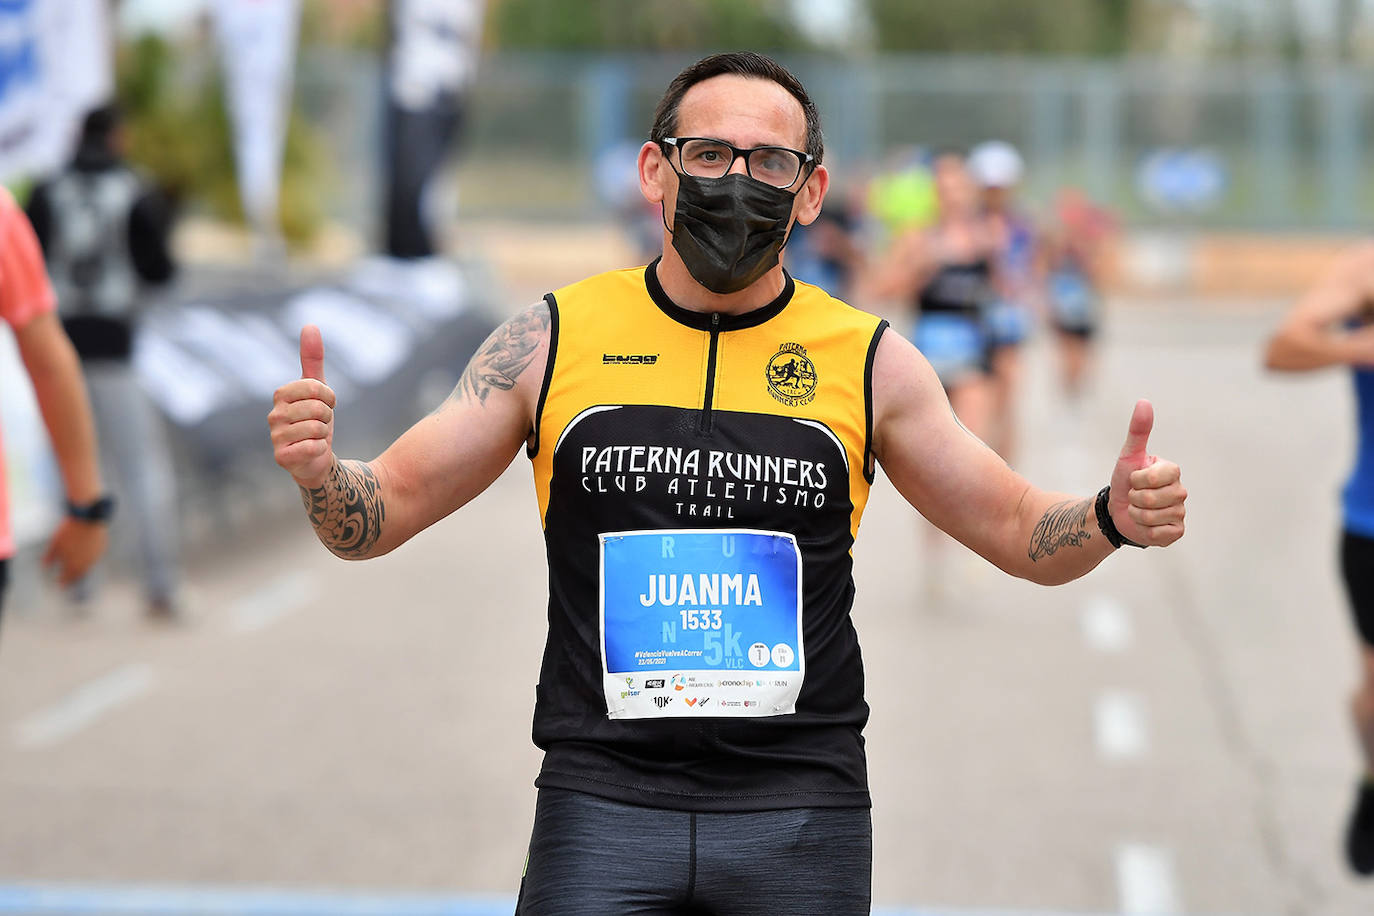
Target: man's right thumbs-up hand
x,y
302,417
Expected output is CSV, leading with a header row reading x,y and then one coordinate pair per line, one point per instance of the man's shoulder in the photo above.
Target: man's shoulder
x,y
811,297
596,288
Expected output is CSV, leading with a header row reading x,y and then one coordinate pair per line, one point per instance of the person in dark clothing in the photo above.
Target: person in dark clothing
x,y
105,237
1332,326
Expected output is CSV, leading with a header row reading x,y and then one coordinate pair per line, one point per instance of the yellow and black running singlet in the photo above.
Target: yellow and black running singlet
x,y
701,479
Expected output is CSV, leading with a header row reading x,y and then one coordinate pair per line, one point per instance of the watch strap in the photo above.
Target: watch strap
x,y
100,509
1105,523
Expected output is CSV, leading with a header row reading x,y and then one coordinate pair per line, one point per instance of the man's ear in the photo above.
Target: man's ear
x,y
812,195
653,166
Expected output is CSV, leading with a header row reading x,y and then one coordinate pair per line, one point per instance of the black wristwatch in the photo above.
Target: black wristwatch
x,y
1105,523
100,509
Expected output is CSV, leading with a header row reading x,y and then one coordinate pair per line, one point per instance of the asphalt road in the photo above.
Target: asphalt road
x,y
1168,734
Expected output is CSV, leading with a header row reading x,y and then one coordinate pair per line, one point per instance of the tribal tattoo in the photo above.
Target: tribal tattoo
x,y
348,510
504,355
1064,524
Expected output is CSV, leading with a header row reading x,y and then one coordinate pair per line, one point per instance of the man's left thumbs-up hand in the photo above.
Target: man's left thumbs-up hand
x,y
1147,495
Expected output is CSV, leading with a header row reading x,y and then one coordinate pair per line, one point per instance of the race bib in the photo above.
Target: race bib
x,y
1072,298
701,623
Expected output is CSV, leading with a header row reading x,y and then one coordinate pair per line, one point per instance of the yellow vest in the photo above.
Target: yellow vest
x,y
700,481
618,340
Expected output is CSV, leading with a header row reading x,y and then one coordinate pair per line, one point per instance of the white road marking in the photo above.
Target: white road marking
x,y
1119,720
1145,880
270,603
88,703
1107,625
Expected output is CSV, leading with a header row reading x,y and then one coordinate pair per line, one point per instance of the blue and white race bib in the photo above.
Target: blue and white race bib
x,y
954,344
701,622
1073,300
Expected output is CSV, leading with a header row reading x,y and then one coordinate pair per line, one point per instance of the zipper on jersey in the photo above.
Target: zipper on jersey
x,y
705,426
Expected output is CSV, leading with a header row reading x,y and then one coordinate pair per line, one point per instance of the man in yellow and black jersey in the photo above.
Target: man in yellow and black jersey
x,y
703,433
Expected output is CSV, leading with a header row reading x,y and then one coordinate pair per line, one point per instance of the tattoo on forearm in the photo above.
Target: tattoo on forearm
x,y
1064,524
347,511
504,355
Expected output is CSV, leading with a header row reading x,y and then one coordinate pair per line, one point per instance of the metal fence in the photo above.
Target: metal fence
x,y
1254,146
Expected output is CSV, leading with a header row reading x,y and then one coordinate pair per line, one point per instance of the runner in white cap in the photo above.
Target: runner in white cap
x,y
999,169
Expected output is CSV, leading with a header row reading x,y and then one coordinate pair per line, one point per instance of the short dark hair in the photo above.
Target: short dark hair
x,y
739,63
100,124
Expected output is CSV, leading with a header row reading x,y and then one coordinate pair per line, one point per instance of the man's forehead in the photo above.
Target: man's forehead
x,y
744,110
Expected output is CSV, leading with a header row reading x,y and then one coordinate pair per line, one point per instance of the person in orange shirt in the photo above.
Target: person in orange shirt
x,y
28,306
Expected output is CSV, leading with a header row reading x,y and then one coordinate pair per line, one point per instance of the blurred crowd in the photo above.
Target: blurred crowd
x,y
945,244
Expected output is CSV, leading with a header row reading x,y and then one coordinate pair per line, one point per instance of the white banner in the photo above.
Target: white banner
x,y
55,65
435,46
257,40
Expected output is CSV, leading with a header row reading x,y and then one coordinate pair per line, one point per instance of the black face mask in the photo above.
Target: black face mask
x,y
729,231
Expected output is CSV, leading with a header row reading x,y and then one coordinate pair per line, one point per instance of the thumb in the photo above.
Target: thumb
x,y
312,353
1138,435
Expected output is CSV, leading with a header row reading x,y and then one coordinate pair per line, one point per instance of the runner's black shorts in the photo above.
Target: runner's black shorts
x,y
590,856
1357,567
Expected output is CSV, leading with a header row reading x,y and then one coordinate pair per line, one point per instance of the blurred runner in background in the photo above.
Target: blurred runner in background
x,y
104,234
827,253
998,169
946,272
1073,264
28,306
1332,324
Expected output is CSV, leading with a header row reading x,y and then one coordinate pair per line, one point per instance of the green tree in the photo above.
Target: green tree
x,y
179,133
633,25
1096,27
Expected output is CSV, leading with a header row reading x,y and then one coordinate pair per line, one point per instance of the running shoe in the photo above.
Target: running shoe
x,y
1359,837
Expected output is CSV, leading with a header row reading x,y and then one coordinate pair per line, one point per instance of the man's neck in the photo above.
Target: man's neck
x,y
686,292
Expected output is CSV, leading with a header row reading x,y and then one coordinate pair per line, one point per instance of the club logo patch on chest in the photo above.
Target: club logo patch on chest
x,y
791,376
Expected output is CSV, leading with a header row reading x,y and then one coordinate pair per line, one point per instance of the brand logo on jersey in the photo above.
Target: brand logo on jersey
x,y
693,701
679,682
661,702
632,359
791,376
654,683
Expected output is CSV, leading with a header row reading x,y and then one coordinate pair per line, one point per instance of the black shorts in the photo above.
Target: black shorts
x,y
1357,567
1081,331
4,578
591,856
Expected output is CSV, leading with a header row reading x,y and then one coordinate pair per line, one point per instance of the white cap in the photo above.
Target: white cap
x,y
996,164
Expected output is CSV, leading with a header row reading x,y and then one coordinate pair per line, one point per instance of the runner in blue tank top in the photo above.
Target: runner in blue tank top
x,y
1333,325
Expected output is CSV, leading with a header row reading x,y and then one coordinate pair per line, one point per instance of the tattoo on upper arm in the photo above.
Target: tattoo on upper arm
x,y
1065,524
348,510
504,355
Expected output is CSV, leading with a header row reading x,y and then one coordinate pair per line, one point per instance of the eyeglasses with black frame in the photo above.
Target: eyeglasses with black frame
x,y
707,157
